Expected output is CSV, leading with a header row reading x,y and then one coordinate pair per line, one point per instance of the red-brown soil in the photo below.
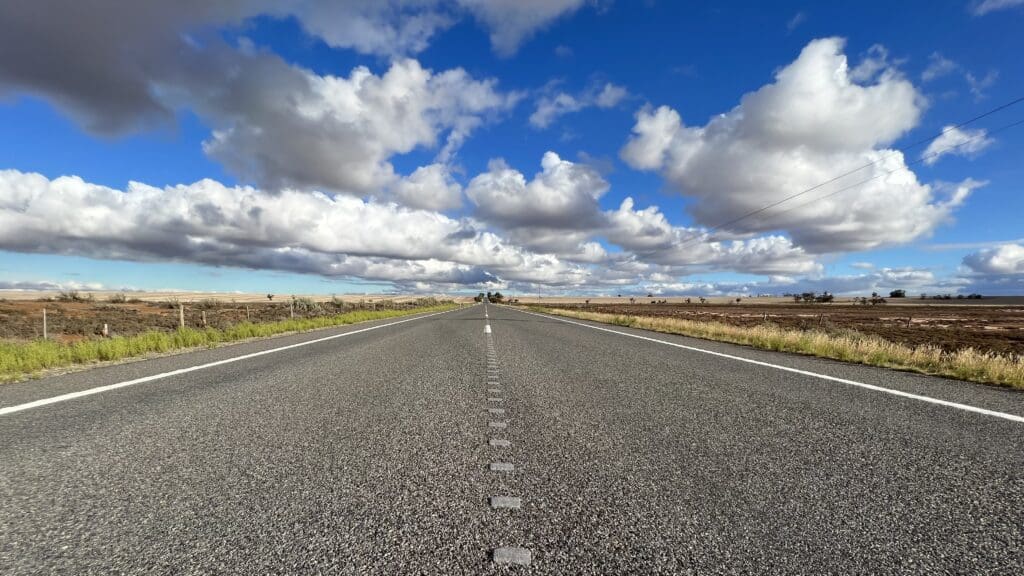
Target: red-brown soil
x,y
950,327
70,321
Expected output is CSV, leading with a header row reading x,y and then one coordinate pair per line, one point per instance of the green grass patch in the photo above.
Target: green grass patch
x,y
848,346
22,359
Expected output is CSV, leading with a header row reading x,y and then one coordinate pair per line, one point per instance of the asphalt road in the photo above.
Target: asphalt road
x,y
372,453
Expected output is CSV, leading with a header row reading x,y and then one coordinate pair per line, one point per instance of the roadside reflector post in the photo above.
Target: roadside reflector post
x,y
247,317
204,318
291,308
44,323
106,330
181,316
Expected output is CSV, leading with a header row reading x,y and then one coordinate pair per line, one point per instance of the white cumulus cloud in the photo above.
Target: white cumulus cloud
x,y
1004,259
957,142
980,8
552,106
513,21
209,223
810,125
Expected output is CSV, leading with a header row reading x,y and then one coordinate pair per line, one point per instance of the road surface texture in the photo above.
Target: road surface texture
x,y
516,443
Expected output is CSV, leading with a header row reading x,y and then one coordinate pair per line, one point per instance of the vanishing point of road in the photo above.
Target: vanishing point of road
x,y
492,440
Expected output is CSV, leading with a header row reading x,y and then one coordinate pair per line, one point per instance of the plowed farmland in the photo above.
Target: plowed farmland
x,y
950,327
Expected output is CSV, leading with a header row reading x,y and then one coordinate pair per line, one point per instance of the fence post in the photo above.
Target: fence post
x,y
44,323
181,316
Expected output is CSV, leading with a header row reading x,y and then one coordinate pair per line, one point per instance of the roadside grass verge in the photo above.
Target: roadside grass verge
x,y
848,346
23,359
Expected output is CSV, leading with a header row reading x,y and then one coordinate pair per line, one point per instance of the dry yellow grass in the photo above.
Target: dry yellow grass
x,y
965,364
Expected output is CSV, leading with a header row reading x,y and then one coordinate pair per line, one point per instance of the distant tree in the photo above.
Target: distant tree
x,y
650,295
808,296
703,300
270,297
825,298
898,294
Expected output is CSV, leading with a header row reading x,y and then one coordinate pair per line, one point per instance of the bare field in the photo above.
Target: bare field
x,y
1013,301
997,327
71,321
238,297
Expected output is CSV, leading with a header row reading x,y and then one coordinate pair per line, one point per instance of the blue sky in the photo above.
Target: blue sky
x,y
317,181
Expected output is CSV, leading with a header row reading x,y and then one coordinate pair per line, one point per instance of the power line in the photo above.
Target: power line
x,y
935,154
868,165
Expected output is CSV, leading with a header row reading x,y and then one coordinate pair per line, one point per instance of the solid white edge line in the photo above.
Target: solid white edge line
x,y
967,407
109,387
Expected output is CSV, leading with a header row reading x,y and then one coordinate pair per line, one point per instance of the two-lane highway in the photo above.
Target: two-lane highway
x,y
425,446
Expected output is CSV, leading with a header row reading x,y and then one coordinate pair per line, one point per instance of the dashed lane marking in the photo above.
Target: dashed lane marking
x,y
510,502
512,555
502,467
499,443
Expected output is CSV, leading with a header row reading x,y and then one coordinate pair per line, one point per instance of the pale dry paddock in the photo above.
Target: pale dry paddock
x,y
758,300
965,364
241,297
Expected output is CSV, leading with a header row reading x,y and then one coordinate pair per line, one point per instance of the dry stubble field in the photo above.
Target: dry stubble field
x,y
989,325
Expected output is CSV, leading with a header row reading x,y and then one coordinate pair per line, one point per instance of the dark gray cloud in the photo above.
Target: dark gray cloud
x,y
120,66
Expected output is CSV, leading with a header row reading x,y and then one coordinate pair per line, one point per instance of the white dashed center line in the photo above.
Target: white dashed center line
x,y
512,555
502,554
506,502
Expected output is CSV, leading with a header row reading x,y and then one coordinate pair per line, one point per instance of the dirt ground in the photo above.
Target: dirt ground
x,y
236,297
70,321
996,327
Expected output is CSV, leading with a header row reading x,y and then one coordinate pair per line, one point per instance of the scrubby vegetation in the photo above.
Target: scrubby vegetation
x,y
848,346
20,359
